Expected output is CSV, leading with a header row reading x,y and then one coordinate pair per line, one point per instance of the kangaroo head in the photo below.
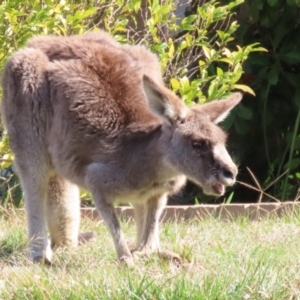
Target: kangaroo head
x,y
197,147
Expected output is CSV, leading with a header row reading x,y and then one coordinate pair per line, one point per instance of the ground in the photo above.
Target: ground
x,y
234,259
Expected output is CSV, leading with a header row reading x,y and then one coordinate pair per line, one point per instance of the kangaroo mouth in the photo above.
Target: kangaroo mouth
x,y
218,188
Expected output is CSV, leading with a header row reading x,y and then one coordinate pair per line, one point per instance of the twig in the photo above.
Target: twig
x,y
258,190
263,191
6,160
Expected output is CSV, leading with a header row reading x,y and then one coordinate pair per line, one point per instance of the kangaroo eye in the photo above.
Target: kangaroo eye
x,y
202,146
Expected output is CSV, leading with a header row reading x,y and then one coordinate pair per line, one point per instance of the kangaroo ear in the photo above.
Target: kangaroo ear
x,y
218,110
158,101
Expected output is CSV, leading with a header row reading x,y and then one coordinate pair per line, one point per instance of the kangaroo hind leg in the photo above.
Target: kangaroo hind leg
x,y
25,111
34,184
63,212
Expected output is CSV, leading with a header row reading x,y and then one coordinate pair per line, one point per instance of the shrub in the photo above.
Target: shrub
x,y
198,53
267,140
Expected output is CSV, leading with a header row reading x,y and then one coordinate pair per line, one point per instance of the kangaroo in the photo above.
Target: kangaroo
x,y
86,111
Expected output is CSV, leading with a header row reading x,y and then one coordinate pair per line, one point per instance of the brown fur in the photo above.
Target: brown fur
x,y
86,111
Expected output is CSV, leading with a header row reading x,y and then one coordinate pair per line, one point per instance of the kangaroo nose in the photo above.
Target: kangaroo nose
x,y
228,174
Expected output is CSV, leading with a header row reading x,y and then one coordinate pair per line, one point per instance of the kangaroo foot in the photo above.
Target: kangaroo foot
x,y
170,256
85,237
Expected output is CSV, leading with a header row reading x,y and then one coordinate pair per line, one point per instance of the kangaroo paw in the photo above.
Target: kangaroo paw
x,y
41,260
85,237
127,260
170,256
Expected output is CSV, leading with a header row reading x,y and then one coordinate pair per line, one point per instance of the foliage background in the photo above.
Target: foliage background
x,y
205,55
268,142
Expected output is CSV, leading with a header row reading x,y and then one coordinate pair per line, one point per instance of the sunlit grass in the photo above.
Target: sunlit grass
x,y
221,260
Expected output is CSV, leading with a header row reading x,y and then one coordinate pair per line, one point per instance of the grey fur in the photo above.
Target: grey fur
x,y
86,111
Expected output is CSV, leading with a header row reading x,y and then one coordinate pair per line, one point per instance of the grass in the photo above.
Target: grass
x,y
238,259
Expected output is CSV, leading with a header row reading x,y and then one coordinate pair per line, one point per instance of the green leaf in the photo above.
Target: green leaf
x,y
155,5
189,20
291,57
289,139
89,12
219,72
229,199
189,39
273,74
7,161
244,112
272,2
225,60
297,97
244,88
164,9
185,83
187,23
201,63
259,49
207,52
292,79
291,2
212,90
280,31
293,164
136,5
175,84
241,126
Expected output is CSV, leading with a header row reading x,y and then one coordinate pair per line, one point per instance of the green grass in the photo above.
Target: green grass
x,y
222,260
